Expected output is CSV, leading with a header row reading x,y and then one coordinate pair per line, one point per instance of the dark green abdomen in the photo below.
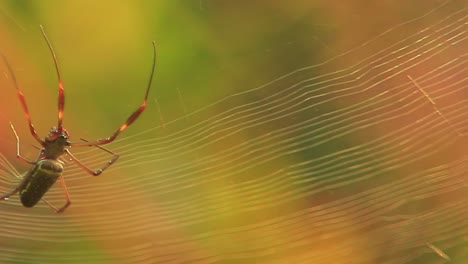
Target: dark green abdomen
x,y
38,181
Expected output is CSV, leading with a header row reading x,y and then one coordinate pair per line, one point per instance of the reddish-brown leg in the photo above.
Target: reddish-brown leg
x,y
61,95
88,170
130,119
17,188
18,155
7,195
67,197
22,101
50,204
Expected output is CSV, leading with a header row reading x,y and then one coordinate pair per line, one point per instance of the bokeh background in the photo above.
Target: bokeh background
x,y
276,132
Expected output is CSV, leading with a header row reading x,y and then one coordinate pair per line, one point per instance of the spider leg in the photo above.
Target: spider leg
x,y
98,171
7,195
114,158
13,171
18,155
130,119
23,101
67,197
61,95
50,204
17,188
81,165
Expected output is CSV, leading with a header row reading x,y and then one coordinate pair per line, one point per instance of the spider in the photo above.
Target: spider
x,y
47,168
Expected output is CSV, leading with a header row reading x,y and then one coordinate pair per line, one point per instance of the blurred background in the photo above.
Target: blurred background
x,y
275,132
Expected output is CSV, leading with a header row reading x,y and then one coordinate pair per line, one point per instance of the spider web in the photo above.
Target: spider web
x,y
359,159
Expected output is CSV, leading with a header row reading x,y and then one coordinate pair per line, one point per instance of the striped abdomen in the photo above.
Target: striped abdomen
x,y
38,181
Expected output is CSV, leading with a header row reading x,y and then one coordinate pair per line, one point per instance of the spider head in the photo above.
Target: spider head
x,y
59,137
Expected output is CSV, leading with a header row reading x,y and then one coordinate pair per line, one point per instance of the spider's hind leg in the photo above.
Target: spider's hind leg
x,y
67,197
7,195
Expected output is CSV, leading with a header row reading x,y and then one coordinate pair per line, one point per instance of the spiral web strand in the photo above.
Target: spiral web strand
x,y
354,165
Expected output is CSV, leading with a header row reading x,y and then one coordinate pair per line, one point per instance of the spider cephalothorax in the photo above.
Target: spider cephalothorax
x,y
55,143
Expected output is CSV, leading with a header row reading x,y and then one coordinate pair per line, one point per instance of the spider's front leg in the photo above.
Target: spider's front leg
x,y
87,169
18,155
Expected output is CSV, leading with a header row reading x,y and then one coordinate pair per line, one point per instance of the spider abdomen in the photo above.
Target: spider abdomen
x,y
38,181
